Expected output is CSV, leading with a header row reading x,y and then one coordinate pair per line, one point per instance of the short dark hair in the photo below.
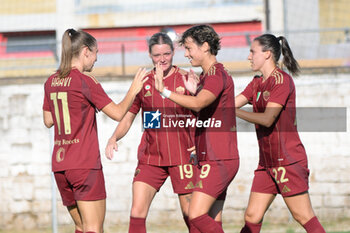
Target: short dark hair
x,y
200,34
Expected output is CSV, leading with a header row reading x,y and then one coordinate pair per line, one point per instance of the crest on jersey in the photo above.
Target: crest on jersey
x,y
147,87
148,93
180,90
266,95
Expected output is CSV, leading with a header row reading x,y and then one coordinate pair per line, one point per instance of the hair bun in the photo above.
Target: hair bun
x,y
71,32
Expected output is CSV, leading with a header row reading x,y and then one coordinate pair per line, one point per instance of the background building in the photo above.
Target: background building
x,y
31,30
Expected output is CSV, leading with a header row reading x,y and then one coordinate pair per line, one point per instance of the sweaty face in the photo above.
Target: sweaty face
x,y
193,52
162,54
257,57
91,58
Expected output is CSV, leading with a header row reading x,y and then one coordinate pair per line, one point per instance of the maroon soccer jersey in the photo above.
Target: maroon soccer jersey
x,y
279,144
218,141
73,102
166,146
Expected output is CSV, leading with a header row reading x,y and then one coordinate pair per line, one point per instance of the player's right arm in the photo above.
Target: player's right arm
x,y
121,130
118,111
48,121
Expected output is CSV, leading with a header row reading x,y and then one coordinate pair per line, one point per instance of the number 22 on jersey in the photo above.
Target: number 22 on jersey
x,y
282,178
61,96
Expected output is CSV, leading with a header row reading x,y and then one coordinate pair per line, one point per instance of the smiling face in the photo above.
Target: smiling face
x,y
194,52
257,56
162,54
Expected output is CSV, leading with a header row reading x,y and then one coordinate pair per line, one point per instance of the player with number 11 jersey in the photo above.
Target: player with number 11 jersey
x,y
74,101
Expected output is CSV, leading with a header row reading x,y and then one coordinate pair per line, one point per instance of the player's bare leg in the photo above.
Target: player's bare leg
x,y
142,196
257,206
74,213
301,209
254,214
185,200
215,212
92,215
200,207
200,204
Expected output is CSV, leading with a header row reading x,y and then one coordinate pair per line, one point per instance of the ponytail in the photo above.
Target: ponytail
x,y
270,43
288,58
66,54
72,43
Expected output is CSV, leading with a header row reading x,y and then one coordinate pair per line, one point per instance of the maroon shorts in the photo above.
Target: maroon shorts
x,y
80,185
213,177
182,176
286,180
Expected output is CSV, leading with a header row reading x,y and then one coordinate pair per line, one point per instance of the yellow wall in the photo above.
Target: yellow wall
x,y
334,14
14,7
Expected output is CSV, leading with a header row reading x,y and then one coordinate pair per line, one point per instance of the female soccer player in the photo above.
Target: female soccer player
x,y
215,135
163,151
283,163
70,102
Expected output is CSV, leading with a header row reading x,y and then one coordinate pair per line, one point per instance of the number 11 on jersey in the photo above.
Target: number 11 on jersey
x,y
65,111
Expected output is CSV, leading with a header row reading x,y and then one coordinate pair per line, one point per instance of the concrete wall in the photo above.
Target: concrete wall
x,y
25,178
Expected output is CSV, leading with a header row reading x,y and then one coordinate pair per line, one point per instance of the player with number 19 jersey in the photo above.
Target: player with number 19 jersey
x,y
221,143
217,148
166,146
73,102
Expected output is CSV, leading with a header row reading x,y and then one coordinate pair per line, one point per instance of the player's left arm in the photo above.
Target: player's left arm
x,y
240,101
48,121
266,118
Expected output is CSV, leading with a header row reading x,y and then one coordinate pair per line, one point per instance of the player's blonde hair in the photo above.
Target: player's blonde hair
x,y
72,43
160,38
